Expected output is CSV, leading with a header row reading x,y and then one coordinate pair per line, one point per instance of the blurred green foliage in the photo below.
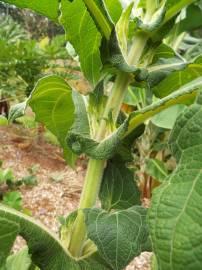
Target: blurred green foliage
x,y
23,60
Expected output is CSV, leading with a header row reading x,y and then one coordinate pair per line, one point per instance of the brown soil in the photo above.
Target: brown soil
x,y
20,149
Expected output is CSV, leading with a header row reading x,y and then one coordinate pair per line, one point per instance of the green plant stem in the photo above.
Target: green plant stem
x,y
96,167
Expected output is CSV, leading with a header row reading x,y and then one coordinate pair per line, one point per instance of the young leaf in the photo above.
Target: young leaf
x,y
175,216
17,111
119,189
43,7
51,100
30,180
155,20
82,33
122,28
21,260
13,199
114,52
82,143
119,236
156,169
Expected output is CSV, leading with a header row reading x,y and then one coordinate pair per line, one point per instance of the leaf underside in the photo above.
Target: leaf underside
x,y
119,236
119,189
51,100
42,7
83,34
47,252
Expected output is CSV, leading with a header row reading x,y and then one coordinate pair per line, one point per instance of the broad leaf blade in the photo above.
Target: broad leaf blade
x,y
51,100
175,217
166,118
82,33
119,189
8,233
174,7
192,20
114,9
178,78
43,7
156,169
48,253
185,93
119,236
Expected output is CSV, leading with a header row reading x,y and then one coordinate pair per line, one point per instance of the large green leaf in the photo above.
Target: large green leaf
x,y
166,118
162,70
175,6
47,252
119,236
156,168
192,20
184,94
82,33
114,9
119,189
8,233
178,78
51,100
176,214
44,7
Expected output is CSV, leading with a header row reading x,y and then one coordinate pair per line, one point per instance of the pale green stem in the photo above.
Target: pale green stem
x,y
96,167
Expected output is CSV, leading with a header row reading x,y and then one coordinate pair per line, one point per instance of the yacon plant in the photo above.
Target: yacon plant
x,y
118,48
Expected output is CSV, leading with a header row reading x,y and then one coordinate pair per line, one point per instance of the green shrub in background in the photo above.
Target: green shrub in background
x,y
23,60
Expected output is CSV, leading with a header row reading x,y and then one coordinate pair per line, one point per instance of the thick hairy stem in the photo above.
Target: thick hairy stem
x,y
96,167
